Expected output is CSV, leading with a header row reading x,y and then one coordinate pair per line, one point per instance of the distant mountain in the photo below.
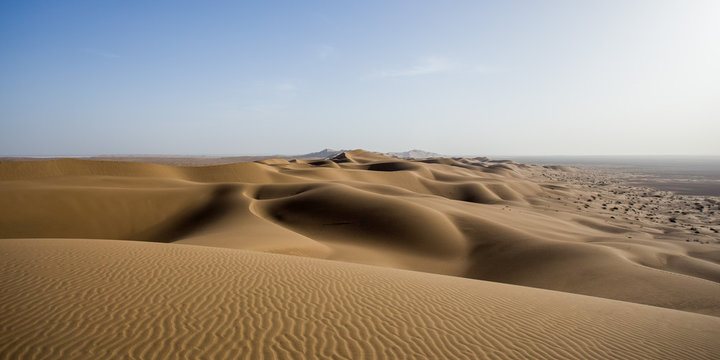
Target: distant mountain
x,y
322,154
414,154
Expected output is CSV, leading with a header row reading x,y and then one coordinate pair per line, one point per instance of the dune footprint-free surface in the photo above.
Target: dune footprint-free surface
x,y
73,299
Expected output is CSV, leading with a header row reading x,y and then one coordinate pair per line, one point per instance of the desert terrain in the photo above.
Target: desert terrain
x,y
360,255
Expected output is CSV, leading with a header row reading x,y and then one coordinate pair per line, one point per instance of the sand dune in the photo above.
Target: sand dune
x,y
472,218
74,299
467,218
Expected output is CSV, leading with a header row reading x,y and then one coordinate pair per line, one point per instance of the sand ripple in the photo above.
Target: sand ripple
x,y
70,299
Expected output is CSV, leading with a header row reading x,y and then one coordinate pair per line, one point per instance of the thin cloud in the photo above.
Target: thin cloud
x,y
426,66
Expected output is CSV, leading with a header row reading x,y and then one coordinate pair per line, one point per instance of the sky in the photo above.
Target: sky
x,y
275,77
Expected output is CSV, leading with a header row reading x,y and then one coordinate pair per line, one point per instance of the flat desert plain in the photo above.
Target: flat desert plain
x,y
361,256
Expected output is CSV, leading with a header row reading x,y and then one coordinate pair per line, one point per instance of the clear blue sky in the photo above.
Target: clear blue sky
x,y
455,77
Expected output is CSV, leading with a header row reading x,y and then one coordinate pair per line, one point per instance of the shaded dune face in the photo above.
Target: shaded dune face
x,y
344,213
220,202
393,166
463,217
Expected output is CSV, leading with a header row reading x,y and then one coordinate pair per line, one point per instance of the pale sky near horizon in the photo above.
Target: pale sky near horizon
x,y
276,77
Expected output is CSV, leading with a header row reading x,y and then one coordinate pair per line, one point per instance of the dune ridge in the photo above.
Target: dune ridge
x,y
86,298
473,218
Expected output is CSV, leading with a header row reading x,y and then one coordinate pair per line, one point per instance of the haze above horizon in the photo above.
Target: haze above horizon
x,y
467,77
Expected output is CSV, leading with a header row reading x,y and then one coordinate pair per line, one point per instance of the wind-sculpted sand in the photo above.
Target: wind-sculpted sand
x,y
466,218
67,299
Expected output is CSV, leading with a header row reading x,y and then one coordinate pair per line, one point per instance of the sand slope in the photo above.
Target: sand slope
x,y
74,299
472,218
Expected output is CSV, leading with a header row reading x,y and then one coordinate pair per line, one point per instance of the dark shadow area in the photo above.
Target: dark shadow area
x,y
393,166
219,204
